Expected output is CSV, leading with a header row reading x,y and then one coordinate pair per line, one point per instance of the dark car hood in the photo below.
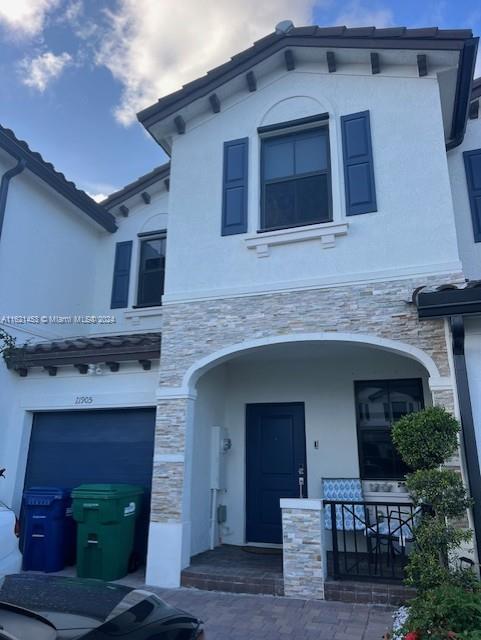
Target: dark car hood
x,y
79,606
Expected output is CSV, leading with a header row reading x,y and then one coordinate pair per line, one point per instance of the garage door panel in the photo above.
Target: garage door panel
x,y
69,448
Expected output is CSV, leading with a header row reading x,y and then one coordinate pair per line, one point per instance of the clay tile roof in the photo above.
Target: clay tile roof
x,y
140,184
448,299
85,350
337,36
47,172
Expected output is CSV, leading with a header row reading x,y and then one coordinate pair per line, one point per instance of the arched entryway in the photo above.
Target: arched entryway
x,y
312,381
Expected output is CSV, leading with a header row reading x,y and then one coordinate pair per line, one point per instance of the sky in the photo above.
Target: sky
x,y
75,72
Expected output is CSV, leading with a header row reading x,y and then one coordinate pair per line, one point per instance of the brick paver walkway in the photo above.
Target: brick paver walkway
x,y
244,617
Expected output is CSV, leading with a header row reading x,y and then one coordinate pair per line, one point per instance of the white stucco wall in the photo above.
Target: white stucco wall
x,y
47,257
324,383
412,231
469,250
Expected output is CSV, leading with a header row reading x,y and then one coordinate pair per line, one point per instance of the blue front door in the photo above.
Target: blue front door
x,y
275,457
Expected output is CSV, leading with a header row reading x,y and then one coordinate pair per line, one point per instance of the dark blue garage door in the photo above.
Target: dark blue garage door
x,y
68,448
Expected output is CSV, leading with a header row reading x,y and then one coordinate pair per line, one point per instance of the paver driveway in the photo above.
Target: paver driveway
x,y
234,617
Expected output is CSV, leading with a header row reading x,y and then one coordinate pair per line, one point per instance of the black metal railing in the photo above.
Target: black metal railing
x,y
370,540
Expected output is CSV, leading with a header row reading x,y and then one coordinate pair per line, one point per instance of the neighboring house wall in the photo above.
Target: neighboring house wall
x,y
54,260
469,250
412,231
47,258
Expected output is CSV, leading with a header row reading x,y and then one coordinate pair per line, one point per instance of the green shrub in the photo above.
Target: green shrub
x,y
445,609
441,489
7,343
425,439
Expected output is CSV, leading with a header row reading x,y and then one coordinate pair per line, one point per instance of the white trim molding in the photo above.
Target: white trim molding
x,y
175,393
441,383
326,232
306,504
452,270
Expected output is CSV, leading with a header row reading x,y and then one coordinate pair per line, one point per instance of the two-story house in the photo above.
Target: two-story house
x,y
323,186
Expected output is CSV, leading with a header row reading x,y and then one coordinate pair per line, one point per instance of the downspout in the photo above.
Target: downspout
x,y
467,424
7,176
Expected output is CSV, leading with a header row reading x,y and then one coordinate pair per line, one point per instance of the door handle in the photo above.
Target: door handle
x,y
300,472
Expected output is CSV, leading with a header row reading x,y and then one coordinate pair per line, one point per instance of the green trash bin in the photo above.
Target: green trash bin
x,y
105,516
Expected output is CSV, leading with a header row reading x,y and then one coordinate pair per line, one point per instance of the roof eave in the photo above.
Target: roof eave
x,y
77,198
463,95
155,113
448,302
137,186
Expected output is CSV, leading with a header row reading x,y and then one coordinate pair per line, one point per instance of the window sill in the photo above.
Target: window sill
x,y
135,314
326,232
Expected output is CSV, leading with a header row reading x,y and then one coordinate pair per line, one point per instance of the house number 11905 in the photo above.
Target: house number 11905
x,y
84,400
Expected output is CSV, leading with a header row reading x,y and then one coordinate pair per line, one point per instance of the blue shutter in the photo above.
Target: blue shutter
x,y
120,286
234,187
358,165
472,164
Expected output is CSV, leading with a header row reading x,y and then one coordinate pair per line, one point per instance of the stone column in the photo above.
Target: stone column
x,y
169,532
303,552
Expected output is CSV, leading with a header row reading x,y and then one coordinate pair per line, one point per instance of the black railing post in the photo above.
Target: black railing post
x,y
335,549
382,559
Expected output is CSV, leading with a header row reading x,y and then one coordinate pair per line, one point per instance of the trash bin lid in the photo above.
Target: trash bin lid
x,y
44,496
106,491
48,492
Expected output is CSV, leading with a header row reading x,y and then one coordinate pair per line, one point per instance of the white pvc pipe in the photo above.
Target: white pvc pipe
x,y
213,518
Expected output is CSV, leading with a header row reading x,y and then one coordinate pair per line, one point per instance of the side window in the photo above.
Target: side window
x,y
151,271
379,404
296,181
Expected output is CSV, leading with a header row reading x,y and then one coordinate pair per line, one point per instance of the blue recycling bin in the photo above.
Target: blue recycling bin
x,y
48,529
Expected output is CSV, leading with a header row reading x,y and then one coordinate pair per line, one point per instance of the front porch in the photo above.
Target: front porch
x,y
271,426
255,570
271,423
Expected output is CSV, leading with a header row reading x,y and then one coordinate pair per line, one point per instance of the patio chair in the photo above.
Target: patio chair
x,y
349,517
393,530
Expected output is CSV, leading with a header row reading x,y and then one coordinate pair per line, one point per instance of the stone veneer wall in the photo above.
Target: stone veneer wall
x,y
302,545
196,329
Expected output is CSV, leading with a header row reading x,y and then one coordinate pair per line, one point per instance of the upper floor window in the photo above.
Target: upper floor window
x,y
296,181
151,271
379,404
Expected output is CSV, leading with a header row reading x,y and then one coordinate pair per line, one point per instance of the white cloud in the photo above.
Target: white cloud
x,y
153,47
25,18
98,197
356,14
73,11
40,71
